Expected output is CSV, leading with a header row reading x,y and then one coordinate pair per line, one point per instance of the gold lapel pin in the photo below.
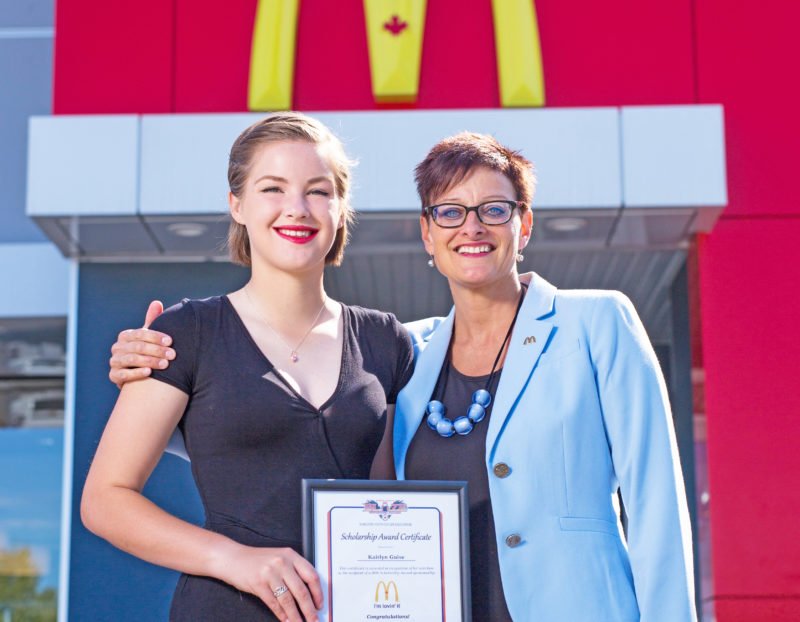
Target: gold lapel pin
x,y
528,340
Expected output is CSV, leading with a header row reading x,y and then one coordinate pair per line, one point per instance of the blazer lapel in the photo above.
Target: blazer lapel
x,y
414,397
526,344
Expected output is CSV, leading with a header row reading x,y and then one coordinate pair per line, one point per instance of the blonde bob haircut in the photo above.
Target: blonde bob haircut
x,y
275,128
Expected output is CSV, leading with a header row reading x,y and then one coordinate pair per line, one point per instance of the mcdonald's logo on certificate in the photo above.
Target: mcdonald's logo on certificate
x,y
386,587
388,550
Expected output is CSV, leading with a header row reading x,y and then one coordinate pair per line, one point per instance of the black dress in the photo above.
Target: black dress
x,y
431,456
251,438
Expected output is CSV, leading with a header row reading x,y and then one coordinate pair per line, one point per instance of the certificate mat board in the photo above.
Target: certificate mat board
x,y
389,550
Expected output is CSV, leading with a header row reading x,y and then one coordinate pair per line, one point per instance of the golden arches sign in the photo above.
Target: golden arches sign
x,y
386,587
394,37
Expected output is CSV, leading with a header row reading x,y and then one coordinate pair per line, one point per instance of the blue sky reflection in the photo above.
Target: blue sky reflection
x,y
30,495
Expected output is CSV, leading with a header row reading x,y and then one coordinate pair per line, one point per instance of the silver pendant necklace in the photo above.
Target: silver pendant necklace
x,y
292,351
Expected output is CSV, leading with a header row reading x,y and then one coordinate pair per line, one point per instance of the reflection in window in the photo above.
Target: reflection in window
x,y
32,366
30,506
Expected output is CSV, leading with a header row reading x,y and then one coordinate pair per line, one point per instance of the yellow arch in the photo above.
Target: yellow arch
x,y
386,591
519,53
272,55
394,38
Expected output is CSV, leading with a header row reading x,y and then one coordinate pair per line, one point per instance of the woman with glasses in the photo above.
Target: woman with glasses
x,y
546,402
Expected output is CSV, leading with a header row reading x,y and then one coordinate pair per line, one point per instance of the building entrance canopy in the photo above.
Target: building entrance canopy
x,y
616,186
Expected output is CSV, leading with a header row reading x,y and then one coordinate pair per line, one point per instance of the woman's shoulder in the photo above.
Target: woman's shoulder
x,y
185,323
575,299
591,301
591,295
420,330
367,317
596,311
189,309
373,324
196,304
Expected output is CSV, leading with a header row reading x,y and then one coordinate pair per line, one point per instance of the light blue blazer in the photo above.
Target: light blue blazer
x,y
581,409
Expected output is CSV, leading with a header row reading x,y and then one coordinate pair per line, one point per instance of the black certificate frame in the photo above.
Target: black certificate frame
x,y
394,489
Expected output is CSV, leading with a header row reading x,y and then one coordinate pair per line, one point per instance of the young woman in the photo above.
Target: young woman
x,y
546,401
263,375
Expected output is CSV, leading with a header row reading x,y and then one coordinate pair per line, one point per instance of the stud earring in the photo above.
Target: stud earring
x,y
520,257
431,264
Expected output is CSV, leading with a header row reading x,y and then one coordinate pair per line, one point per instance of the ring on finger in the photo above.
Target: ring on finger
x,y
279,590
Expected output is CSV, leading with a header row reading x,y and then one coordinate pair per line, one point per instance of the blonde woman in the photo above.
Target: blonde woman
x,y
272,383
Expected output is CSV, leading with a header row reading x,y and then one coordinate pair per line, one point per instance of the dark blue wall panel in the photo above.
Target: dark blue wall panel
x,y
105,583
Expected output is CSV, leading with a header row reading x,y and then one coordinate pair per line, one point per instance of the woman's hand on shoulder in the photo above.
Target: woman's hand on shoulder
x,y
262,571
139,350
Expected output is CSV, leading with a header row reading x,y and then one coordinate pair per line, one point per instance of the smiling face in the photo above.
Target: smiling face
x,y
476,255
289,206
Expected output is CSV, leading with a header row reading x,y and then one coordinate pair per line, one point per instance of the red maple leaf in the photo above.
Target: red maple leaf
x,y
395,26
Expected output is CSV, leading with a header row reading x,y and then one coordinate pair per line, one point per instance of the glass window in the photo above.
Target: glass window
x,y
33,347
32,366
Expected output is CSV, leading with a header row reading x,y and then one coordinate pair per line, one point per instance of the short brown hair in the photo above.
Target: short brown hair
x,y
288,126
451,160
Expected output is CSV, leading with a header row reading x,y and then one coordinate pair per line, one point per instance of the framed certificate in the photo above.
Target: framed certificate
x,y
389,550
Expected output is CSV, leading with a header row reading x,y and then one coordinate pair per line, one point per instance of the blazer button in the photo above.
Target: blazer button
x,y
513,540
501,469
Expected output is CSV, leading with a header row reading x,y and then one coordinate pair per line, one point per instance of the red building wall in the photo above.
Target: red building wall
x,y
749,299
113,57
181,56
185,57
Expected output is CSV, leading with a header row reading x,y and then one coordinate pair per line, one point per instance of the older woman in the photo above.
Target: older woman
x,y
579,409
546,402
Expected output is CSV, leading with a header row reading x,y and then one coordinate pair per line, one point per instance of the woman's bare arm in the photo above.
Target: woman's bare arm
x,y
113,507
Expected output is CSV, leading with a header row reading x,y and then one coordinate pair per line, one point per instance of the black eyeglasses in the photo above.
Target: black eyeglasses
x,y
489,213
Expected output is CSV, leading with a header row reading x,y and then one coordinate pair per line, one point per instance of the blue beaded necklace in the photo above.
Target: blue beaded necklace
x,y
435,410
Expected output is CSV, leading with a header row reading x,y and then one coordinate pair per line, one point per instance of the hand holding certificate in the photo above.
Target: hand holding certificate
x,y
389,550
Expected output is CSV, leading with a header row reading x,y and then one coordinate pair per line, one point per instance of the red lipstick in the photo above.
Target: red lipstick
x,y
299,233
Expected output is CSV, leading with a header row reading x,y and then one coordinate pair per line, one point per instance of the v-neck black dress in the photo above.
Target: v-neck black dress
x,y
251,438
